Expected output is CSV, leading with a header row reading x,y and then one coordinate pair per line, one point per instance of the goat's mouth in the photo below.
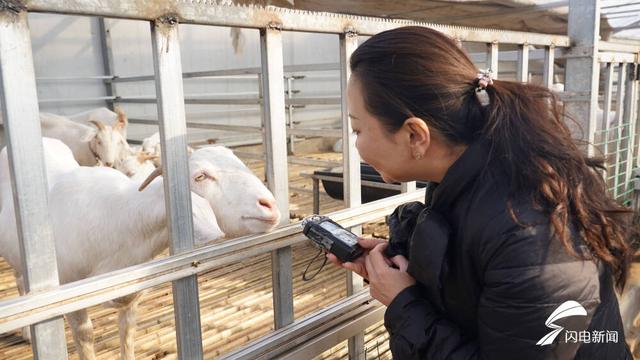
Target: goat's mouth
x,y
267,220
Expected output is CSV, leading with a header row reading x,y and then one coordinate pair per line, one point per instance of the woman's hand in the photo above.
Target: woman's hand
x,y
358,266
386,282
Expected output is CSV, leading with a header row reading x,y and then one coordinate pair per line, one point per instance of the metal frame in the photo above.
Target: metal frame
x,y
45,308
582,69
173,140
29,180
25,310
351,172
275,140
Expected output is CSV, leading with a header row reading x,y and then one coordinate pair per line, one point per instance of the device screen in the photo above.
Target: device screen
x,y
340,233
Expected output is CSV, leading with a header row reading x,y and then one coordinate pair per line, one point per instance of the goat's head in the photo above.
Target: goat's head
x,y
108,142
137,166
205,225
241,202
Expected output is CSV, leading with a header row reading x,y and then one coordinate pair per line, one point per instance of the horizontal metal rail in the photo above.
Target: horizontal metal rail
x,y
291,160
26,310
359,320
367,183
313,328
258,17
330,133
618,47
75,78
234,72
301,101
198,125
77,100
617,57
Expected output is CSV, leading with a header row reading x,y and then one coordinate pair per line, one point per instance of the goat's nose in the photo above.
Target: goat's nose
x,y
108,164
267,203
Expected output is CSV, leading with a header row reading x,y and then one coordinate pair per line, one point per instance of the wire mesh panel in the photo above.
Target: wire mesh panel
x,y
616,138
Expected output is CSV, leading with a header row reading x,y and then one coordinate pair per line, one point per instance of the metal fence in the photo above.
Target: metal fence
x,y
46,302
616,134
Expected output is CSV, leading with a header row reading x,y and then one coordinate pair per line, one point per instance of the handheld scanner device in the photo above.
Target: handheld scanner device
x,y
329,235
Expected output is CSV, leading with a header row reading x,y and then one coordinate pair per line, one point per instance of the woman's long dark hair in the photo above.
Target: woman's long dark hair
x,y
416,71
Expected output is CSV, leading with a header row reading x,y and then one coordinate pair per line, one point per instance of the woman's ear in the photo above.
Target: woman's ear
x,y
419,136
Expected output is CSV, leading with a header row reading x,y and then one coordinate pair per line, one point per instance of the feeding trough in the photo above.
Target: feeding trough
x,y
373,187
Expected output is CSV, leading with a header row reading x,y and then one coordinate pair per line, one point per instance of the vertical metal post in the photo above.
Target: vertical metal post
x,y
608,88
407,186
351,171
173,139
292,137
26,166
107,58
582,68
637,134
522,73
549,59
275,130
630,103
622,76
492,58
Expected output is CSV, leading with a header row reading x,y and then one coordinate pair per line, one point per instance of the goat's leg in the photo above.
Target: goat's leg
x,y
26,331
82,330
127,325
630,314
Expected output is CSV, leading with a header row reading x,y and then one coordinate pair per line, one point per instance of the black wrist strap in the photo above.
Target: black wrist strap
x,y
304,274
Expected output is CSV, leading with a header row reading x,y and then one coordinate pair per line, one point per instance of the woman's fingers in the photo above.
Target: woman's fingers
x,y
378,260
370,243
357,266
401,262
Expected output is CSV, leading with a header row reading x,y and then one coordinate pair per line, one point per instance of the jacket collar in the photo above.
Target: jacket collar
x,y
459,176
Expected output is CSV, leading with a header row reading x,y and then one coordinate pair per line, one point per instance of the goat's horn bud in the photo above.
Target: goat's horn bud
x,y
157,172
97,124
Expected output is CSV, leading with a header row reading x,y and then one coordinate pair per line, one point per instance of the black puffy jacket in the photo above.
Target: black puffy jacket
x,y
487,285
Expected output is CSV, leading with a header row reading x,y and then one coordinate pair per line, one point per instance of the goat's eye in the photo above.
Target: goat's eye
x,y
200,177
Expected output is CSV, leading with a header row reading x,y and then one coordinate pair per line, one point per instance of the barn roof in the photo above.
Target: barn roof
x,y
620,18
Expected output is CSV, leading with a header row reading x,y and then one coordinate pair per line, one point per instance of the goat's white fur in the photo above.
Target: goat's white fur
x,y
251,208
630,314
137,165
151,145
88,143
101,222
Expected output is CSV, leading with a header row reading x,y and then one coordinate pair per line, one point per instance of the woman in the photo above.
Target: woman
x,y
517,225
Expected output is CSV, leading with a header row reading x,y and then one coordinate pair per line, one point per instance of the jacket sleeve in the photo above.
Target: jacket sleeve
x,y
525,277
417,331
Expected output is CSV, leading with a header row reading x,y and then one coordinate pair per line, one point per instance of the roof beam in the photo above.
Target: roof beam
x,y
512,11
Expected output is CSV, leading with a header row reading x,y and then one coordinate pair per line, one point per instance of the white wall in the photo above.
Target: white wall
x,y
67,46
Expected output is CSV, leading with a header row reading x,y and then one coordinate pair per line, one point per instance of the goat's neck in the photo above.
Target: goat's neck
x,y
154,218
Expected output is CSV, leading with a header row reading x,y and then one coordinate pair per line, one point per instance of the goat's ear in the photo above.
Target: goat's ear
x,y
157,172
144,156
121,121
98,124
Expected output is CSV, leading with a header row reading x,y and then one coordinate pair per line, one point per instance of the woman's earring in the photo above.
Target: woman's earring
x,y
418,156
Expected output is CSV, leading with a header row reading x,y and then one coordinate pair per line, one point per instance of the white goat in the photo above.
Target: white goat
x,y
105,143
137,165
151,145
243,205
630,312
103,115
101,222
